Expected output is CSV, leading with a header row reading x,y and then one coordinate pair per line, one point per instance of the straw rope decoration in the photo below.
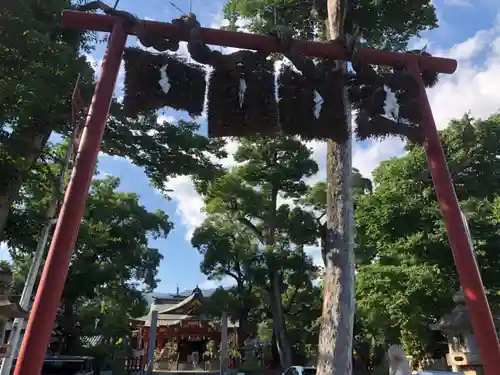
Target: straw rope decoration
x,y
156,80
310,95
153,81
387,101
241,91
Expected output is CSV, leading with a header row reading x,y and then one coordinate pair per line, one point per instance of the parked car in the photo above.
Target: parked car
x,y
300,370
309,370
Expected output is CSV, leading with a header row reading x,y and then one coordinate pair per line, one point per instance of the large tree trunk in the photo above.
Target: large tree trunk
x,y
335,338
279,326
243,312
29,147
68,324
275,286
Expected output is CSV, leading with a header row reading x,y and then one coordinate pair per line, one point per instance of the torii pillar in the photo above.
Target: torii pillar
x,y
55,271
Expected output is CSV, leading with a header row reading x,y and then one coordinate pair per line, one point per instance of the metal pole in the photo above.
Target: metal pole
x,y
152,339
224,345
55,271
468,271
18,323
29,284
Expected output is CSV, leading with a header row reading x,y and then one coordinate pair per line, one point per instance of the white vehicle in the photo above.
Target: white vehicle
x,y
300,370
309,370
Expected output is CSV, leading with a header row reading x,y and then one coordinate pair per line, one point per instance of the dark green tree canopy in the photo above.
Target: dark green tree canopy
x,y
387,24
403,251
41,63
113,263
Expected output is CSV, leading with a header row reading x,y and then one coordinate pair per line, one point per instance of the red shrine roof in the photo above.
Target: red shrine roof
x,y
174,310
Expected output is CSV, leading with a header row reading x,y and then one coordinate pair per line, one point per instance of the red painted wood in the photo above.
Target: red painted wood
x,y
101,22
55,271
468,271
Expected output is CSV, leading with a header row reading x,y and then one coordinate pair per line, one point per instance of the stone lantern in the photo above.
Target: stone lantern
x,y
8,310
463,352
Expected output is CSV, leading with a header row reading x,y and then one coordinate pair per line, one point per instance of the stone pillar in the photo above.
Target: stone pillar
x,y
463,354
10,310
153,318
224,345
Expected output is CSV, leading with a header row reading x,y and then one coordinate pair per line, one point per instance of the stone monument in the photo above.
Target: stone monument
x,y
8,310
463,353
398,361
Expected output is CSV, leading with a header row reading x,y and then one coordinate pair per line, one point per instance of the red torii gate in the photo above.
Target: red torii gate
x,y
55,271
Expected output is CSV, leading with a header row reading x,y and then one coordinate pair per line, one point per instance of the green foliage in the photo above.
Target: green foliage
x,y
407,275
399,302
249,235
164,149
251,366
227,251
226,247
388,25
265,330
39,60
210,350
112,263
40,65
5,266
271,168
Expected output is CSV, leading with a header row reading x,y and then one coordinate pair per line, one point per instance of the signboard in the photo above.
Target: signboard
x,y
192,323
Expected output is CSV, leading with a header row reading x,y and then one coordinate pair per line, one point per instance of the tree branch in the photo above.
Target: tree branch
x,y
291,301
252,227
231,274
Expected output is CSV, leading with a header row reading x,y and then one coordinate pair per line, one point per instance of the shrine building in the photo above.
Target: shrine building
x,y
183,320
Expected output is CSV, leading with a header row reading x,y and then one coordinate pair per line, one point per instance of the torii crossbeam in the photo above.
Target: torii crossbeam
x,y
55,271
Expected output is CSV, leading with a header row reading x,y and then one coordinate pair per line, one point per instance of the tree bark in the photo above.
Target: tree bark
x,y
279,325
275,282
68,324
31,145
243,312
335,338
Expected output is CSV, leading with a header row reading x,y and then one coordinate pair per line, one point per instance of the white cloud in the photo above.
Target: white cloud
x,y
189,203
472,88
461,3
163,118
472,46
226,282
94,63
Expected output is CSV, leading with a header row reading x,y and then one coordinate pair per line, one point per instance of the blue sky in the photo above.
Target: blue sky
x,y
467,31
